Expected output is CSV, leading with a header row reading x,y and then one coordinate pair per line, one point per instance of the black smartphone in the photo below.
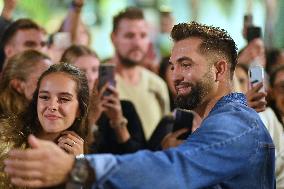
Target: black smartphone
x,y
183,119
248,20
253,32
106,74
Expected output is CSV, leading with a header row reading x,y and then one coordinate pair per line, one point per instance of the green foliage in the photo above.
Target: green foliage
x,y
278,37
226,6
43,11
48,13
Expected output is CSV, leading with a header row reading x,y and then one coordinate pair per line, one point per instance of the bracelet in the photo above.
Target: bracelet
x,y
75,6
123,123
93,127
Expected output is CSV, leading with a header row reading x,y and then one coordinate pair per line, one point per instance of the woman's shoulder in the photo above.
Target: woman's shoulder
x,y
10,132
10,138
4,149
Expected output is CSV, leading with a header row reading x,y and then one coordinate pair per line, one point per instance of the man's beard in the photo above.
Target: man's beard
x,y
128,62
197,94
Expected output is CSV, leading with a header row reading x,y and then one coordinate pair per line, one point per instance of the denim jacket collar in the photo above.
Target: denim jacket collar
x,y
232,97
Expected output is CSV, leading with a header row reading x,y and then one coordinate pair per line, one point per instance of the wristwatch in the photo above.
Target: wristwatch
x,y
81,174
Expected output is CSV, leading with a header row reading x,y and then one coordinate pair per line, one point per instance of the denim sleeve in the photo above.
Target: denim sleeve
x,y
208,157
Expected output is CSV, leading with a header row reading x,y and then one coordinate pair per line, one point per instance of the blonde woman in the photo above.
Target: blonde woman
x,y
18,80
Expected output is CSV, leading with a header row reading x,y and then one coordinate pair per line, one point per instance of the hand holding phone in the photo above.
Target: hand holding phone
x,y
256,99
256,75
253,32
183,119
256,94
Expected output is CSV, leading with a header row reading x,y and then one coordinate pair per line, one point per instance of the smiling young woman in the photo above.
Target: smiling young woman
x,y
57,113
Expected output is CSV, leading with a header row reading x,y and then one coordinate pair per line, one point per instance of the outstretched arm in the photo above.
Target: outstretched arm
x,y
72,20
45,164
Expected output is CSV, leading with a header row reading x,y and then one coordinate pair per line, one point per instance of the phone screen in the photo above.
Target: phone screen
x,y
256,75
253,32
106,74
183,119
62,40
248,20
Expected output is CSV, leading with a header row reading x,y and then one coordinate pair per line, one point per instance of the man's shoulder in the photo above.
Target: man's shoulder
x,y
233,106
229,125
233,115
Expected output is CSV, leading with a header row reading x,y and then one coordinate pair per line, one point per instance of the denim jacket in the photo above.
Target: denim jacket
x,y
232,149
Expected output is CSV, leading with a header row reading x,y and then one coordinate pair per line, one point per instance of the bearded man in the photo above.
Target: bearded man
x,y
147,91
231,149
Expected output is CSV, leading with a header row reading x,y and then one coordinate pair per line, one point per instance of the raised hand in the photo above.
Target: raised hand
x,y
256,99
79,2
8,8
112,106
254,49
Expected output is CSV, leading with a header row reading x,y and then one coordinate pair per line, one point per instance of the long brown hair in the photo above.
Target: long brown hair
x,y
17,67
30,120
72,53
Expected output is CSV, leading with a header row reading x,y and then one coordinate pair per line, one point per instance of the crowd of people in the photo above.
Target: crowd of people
x,y
60,129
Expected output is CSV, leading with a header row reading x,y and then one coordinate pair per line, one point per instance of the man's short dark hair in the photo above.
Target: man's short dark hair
x,y
10,32
215,41
20,24
132,13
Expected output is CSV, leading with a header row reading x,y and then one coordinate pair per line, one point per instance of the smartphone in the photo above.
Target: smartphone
x,y
106,74
62,40
253,32
183,119
248,20
256,75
